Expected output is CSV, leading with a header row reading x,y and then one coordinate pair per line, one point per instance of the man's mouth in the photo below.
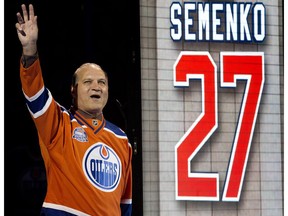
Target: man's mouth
x,y
95,96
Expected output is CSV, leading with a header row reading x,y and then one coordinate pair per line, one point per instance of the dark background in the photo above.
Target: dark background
x,y
70,33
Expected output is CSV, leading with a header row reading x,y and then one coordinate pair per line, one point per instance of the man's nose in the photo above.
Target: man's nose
x,y
96,86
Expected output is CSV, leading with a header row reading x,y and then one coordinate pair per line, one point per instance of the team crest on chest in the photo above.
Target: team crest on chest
x,y
80,134
102,167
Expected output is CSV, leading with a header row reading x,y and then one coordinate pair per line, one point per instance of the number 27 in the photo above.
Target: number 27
x,y
235,66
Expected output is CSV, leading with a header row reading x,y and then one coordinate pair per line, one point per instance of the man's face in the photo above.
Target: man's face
x,y
91,90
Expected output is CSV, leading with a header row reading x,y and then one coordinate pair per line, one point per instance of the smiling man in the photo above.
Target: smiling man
x,y
87,158
90,90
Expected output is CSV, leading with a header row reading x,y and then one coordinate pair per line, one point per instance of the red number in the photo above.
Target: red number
x,y
249,67
235,66
197,186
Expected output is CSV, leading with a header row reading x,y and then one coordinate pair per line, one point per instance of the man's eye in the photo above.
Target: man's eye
x,y
103,82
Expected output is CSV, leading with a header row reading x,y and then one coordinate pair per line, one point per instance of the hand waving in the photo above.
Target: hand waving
x,y
27,30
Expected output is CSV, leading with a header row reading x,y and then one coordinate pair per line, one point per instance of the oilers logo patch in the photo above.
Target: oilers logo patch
x,y
102,167
80,134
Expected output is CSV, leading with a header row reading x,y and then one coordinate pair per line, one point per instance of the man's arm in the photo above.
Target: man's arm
x,y
27,61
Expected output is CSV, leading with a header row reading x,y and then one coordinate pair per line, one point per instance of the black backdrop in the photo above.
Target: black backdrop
x,y
70,33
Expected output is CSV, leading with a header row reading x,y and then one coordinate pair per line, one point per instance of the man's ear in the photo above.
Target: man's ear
x,y
73,91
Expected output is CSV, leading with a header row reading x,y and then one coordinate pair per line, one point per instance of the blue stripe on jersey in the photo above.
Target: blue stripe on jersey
x,y
37,104
114,128
64,110
100,127
54,212
126,209
82,121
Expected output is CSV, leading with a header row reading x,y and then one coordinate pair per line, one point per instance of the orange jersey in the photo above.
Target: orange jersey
x,y
87,161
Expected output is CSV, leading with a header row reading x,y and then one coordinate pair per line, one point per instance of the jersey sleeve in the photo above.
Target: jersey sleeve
x,y
40,103
126,201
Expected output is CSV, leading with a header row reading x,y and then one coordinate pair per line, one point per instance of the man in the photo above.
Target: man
x,y
87,159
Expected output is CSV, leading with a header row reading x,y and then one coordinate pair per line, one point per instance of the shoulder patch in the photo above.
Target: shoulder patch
x,y
80,134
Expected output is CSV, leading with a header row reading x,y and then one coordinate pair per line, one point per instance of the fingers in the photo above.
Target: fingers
x,y
19,29
24,11
27,16
21,32
31,11
19,18
18,25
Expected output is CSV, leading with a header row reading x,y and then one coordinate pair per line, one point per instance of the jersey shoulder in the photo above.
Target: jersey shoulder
x,y
114,129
